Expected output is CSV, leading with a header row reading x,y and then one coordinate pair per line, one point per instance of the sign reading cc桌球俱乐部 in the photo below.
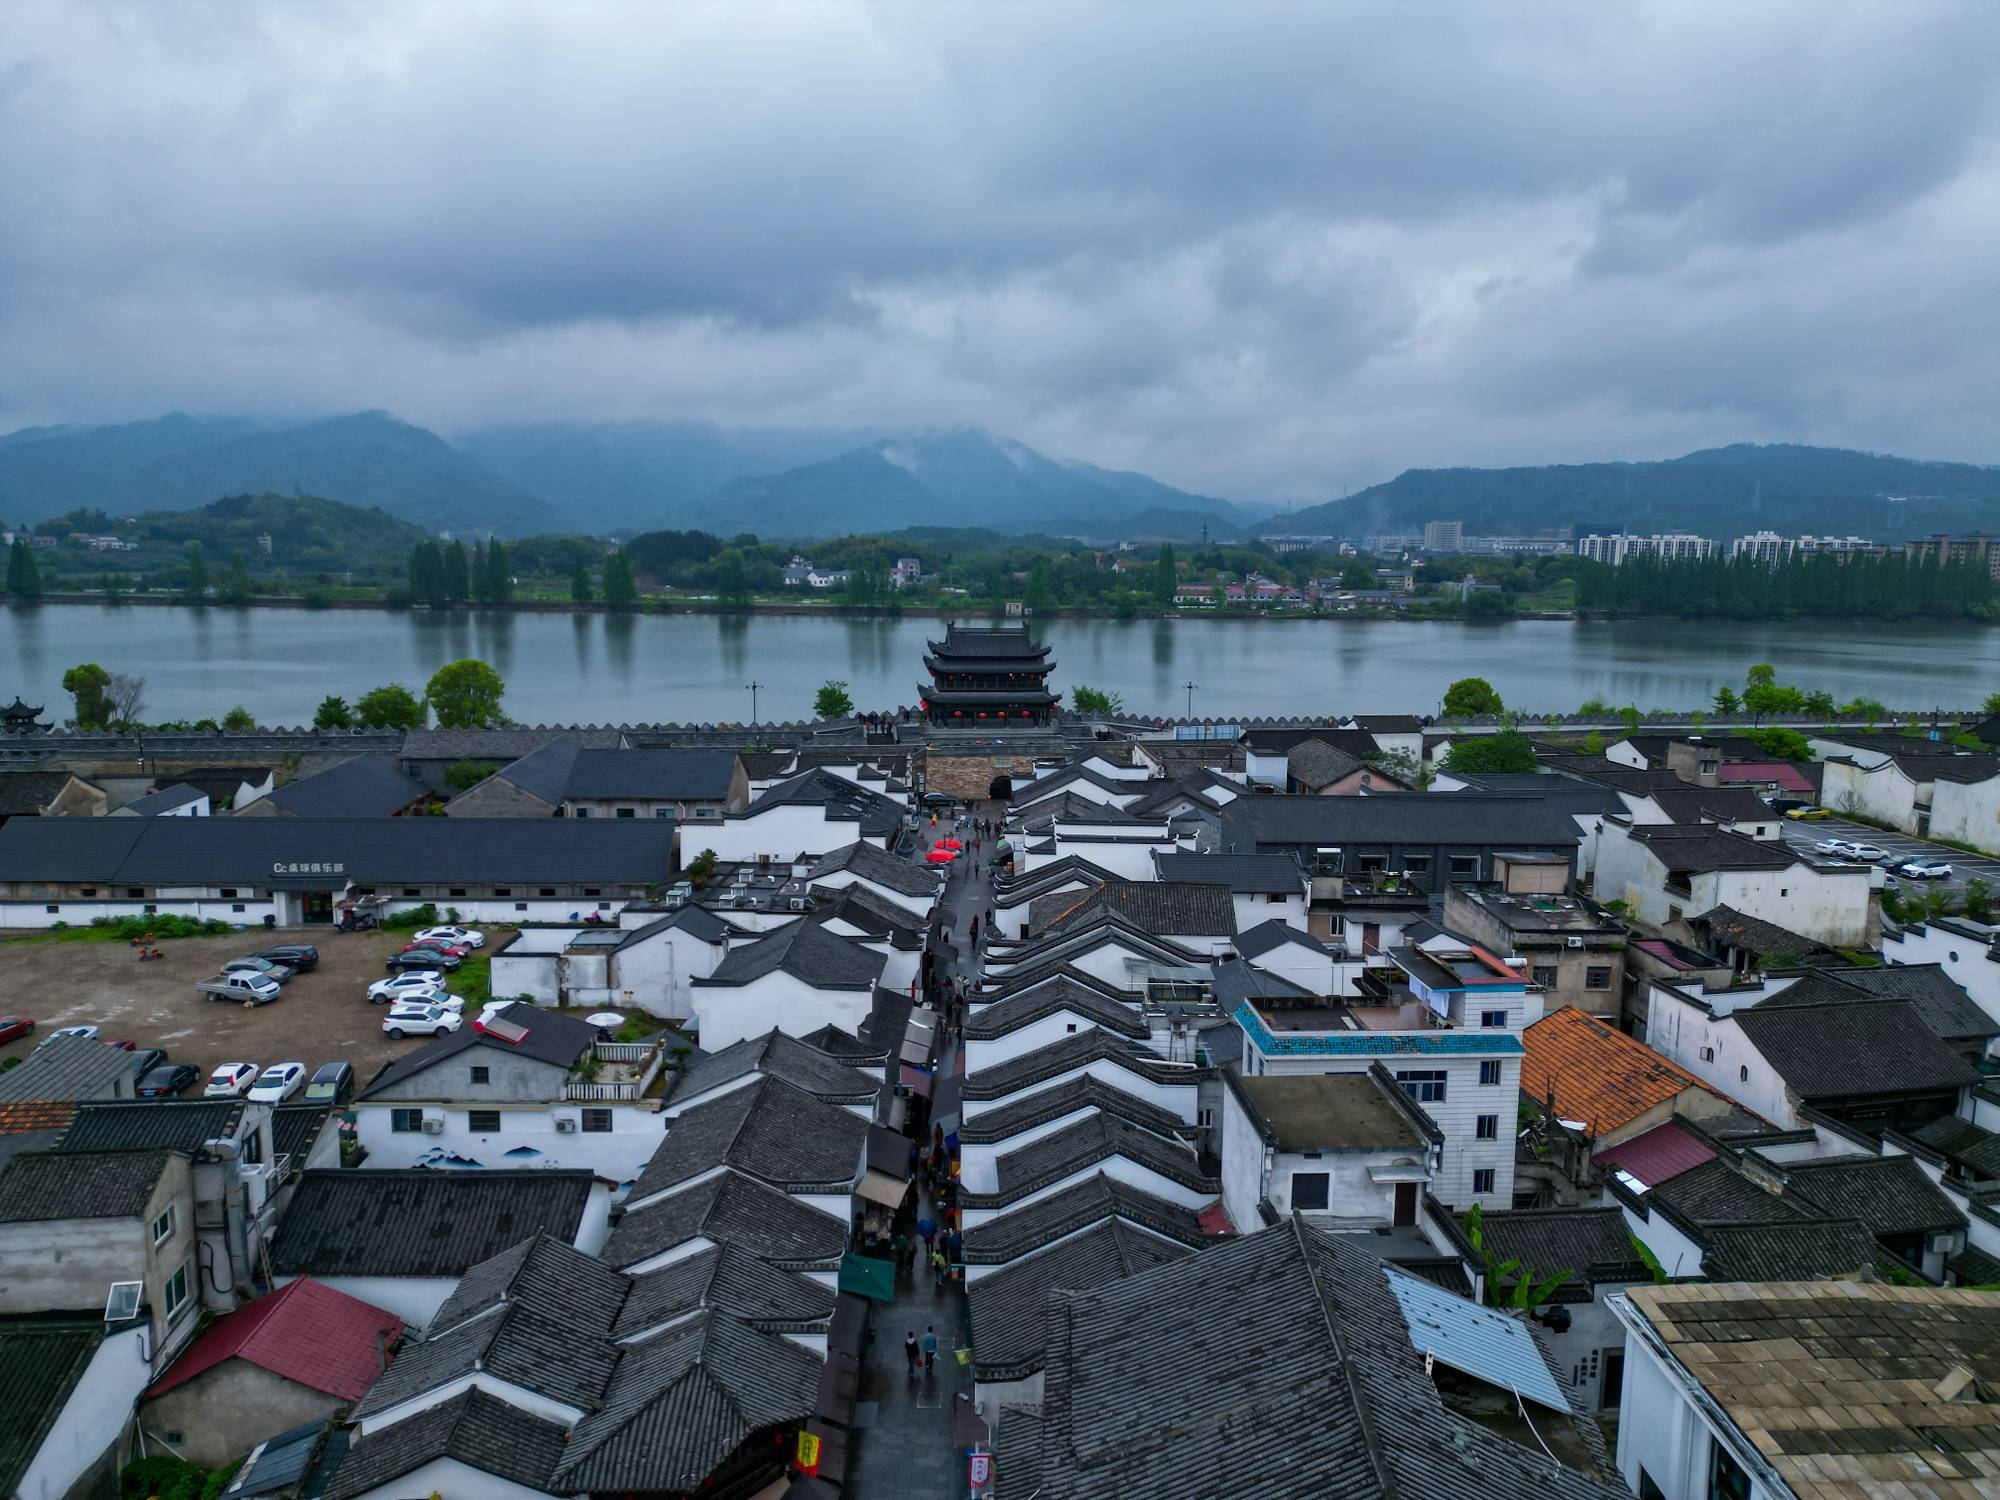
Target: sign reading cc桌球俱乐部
x,y
308,867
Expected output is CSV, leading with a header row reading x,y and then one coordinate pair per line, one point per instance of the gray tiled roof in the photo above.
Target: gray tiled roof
x,y
870,811
1006,1309
358,787
1156,906
731,1209
1841,1049
1144,1398
1085,1145
552,1038
37,1186
385,851
163,801
1025,1006
1695,848
805,950
781,1056
1314,763
1715,1194
41,1361
1961,1140
1265,936
683,1401
549,1356
421,1223
1594,1243
1754,935
542,1275
66,1067
563,769
295,1128
1713,804
1263,824
1789,1251
770,1130
872,912
867,862
848,1048
1938,998
1235,981
478,1430
1032,1225
1083,1092
1077,1051
730,1279
125,1125
1892,1195
1244,874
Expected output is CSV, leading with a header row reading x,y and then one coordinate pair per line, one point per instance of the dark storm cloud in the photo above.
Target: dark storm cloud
x,y
1255,250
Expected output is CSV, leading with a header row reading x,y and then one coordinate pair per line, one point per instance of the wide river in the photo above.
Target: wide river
x,y
588,668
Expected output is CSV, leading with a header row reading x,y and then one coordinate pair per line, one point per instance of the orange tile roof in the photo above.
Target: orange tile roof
x,y
35,1114
1596,1074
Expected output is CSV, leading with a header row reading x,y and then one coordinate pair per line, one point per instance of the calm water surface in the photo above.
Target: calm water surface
x,y
627,669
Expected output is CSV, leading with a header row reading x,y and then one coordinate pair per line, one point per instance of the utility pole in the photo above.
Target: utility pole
x,y
752,686
1190,685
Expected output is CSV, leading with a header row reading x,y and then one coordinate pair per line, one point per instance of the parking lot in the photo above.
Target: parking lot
x,y
321,1016
1803,835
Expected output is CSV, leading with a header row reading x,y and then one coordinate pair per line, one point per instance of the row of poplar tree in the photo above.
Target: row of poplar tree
x,y
1891,587
448,574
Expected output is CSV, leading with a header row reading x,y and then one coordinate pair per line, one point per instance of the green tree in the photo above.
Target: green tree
x,y
1819,701
1593,743
499,573
457,574
1991,705
24,579
1764,694
1505,753
466,695
232,584
391,706
621,590
832,702
1470,696
732,580
1037,596
1725,700
1787,744
1166,576
1631,718
333,713
461,774
996,584
580,591
1090,700
1357,575
238,720
90,685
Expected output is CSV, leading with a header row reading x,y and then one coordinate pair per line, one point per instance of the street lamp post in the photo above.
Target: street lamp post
x,y
1190,685
752,687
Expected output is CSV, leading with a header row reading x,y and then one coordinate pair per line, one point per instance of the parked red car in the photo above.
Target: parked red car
x,y
122,1043
13,1026
452,948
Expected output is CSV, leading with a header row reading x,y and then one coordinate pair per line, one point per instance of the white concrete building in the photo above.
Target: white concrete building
x,y
795,979
1665,873
810,814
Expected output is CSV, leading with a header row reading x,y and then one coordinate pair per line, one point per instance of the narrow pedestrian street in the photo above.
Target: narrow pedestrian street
x,y
915,1428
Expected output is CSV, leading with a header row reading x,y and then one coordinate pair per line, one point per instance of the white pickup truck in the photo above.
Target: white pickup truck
x,y
240,984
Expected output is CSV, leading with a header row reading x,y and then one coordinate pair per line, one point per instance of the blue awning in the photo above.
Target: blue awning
x,y
1475,1340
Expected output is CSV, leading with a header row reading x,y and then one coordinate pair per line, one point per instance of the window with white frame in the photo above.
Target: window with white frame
x,y
164,1225
176,1294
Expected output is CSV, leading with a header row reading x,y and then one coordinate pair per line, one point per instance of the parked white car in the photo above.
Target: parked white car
x,y
230,1079
418,986
279,1083
83,1033
464,937
420,1020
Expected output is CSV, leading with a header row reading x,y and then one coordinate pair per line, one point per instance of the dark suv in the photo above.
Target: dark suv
x,y
298,957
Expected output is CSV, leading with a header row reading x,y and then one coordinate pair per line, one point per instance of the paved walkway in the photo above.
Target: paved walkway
x,y
911,1451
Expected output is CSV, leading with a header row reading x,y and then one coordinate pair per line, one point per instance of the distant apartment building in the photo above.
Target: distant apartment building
x,y
1769,548
1443,536
1979,547
1389,544
1514,546
1671,545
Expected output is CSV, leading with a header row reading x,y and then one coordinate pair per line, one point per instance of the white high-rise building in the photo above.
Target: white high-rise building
x,y
1443,536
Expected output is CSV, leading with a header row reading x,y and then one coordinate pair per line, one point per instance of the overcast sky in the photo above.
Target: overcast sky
x,y
1263,252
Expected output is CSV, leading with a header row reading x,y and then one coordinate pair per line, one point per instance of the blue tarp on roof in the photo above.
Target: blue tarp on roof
x,y
1475,1340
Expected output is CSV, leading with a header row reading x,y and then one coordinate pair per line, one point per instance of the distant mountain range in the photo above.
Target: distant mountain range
x,y
782,483
805,484
1718,492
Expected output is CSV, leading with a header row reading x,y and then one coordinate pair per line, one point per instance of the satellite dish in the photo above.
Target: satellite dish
x,y
123,1303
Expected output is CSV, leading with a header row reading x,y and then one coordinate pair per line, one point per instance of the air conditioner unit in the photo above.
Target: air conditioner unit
x,y
800,903
565,1126
1575,942
433,1127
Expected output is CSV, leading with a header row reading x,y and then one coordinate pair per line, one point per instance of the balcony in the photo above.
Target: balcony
x,y
616,1073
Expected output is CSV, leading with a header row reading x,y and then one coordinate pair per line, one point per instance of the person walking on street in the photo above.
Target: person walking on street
x,y
930,1348
939,1265
954,1244
910,1349
902,1251
927,1228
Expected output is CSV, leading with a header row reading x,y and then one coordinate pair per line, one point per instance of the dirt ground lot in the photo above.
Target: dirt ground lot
x,y
321,1016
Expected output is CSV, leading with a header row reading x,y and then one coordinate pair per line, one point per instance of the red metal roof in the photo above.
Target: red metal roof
x,y
1662,1152
1215,1219
304,1331
1789,778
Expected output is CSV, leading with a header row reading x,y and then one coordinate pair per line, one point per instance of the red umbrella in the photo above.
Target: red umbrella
x,y
941,856
949,844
